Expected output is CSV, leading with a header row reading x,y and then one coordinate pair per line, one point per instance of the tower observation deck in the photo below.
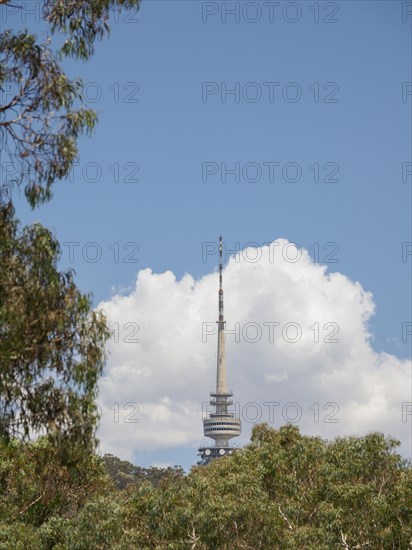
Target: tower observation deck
x,y
220,425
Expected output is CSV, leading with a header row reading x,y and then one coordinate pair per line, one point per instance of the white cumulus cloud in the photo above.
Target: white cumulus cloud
x,y
298,348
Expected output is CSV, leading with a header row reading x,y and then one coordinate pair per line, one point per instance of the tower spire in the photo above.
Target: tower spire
x,y
220,278
221,383
220,425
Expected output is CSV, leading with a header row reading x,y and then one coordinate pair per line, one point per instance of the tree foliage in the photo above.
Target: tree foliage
x,y
51,345
42,113
284,490
39,125
83,22
125,474
35,486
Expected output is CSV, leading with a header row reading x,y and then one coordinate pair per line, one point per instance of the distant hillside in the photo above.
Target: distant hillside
x,y
124,473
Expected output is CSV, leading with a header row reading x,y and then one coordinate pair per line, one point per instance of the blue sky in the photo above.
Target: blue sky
x,y
162,57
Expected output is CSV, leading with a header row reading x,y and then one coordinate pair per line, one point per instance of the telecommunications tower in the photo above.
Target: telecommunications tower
x,y
220,425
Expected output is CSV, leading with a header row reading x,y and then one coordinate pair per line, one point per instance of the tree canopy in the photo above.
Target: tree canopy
x,y
51,345
125,474
284,490
52,342
42,113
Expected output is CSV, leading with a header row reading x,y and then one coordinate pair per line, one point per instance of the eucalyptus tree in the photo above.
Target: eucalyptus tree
x,y
51,341
42,113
